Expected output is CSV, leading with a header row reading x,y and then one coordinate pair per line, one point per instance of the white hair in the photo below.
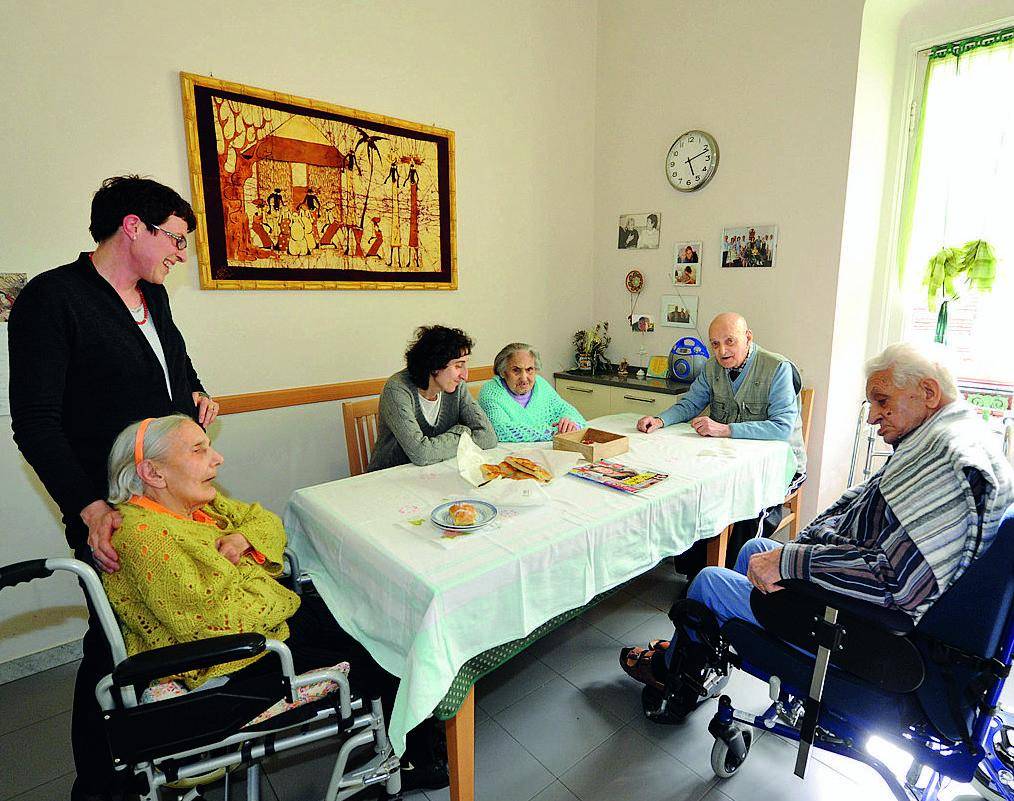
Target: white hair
x,y
504,356
124,482
910,363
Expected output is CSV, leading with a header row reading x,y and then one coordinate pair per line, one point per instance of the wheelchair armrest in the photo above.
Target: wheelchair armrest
x,y
891,621
873,648
172,659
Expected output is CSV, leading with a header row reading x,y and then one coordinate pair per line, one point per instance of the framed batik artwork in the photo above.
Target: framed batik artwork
x,y
292,193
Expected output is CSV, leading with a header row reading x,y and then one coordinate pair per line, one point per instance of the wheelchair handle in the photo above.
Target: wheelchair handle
x,y
23,571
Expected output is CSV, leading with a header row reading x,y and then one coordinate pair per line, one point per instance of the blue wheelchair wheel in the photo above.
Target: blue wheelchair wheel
x,y
999,761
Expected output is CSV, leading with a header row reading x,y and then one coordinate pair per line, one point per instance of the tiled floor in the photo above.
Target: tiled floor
x,y
559,723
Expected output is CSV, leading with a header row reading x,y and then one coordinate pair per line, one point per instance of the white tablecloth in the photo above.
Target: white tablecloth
x,y
424,604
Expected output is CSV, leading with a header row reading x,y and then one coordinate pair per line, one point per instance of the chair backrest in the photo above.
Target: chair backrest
x,y
975,615
806,412
360,432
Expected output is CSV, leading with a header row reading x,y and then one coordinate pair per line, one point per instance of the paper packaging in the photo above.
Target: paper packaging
x,y
603,443
504,491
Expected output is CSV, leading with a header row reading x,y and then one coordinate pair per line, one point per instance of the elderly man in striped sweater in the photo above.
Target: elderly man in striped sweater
x,y
899,540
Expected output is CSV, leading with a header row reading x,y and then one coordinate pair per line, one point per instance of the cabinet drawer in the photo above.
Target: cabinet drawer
x,y
592,400
639,401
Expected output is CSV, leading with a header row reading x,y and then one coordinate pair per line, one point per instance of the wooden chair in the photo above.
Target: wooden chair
x,y
718,544
360,432
793,499
360,419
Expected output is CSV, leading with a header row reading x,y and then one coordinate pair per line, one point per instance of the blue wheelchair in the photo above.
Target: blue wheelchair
x,y
841,671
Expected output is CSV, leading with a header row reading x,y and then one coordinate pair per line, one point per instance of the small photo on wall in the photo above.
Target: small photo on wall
x,y
687,264
640,231
750,246
679,311
641,323
11,285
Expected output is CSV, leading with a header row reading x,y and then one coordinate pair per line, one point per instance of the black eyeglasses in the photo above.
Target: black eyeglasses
x,y
179,239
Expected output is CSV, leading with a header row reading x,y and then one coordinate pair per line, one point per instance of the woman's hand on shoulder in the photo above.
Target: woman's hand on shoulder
x,y
233,546
102,520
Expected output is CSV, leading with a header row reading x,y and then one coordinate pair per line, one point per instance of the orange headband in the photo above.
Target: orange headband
x,y
139,440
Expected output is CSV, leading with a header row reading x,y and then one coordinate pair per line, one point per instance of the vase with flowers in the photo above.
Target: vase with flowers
x,y
590,347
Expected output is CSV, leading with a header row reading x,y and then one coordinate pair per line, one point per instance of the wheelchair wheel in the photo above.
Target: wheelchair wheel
x,y
1000,752
723,763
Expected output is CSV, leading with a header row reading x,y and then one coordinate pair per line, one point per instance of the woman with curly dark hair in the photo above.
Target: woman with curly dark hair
x,y
425,408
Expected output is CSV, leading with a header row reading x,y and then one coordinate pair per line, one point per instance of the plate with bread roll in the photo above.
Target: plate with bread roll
x,y
466,514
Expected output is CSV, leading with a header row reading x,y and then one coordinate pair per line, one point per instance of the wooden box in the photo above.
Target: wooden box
x,y
592,444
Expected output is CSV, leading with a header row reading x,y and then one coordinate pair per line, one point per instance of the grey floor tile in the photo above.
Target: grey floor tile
x,y
600,677
558,724
35,754
618,614
689,742
556,792
660,588
572,643
36,697
714,794
300,774
508,684
237,789
55,790
767,776
504,771
629,766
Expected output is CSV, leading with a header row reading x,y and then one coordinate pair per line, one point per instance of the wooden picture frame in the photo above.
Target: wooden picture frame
x,y
292,193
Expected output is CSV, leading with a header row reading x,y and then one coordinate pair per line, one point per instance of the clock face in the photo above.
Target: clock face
x,y
692,161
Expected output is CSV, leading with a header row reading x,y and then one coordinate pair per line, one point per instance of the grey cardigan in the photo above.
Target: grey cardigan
x,y
404,435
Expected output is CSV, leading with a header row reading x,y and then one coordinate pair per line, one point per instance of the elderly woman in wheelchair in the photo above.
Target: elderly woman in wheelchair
x,y
212,641
890,615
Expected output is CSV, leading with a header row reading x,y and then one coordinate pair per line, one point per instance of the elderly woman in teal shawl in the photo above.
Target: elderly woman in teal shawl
x,y
521,404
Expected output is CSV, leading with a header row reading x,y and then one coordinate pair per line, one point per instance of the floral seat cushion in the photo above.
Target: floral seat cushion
x,y
162,690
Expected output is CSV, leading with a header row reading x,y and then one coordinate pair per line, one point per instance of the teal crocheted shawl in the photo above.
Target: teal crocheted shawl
x,y
532,423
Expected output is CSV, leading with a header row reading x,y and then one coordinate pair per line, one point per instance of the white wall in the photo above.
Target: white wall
x,y
96,90
775,83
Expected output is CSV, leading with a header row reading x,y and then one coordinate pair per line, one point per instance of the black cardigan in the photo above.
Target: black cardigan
x,y
81,371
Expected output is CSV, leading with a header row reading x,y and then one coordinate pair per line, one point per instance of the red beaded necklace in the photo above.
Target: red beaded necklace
x,y
144,305
140,294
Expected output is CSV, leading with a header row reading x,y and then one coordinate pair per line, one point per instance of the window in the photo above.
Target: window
x,y
960,187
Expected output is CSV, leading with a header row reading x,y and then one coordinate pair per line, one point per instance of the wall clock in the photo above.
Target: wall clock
x,y
634,282
692,161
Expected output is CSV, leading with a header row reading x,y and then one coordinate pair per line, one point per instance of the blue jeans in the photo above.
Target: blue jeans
x,y
727,592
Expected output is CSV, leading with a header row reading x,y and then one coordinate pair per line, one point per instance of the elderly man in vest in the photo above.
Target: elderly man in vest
x,y
898,541
752,396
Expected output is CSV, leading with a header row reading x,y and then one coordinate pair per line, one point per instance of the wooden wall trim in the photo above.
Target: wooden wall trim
x,y
297,396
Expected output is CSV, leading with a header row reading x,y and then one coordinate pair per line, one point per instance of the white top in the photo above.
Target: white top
x,y
423,604
430,408
148,329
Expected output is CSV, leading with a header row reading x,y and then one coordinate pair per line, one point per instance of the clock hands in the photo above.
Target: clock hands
x,y
690,160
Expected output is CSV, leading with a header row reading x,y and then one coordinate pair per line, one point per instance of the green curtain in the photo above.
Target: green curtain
x,y
943,55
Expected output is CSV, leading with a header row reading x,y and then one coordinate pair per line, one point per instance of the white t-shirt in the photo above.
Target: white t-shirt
x,y
148,329
430,408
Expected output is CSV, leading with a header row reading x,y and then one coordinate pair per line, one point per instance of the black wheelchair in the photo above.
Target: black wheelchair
x,y
179,744
841,671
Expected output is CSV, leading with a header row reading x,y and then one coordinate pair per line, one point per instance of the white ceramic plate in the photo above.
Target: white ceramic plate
x,y
485,513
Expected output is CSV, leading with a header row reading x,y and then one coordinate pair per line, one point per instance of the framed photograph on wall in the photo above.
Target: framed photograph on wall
x,y
640,231
750,246
687,258
292,193
641,323
679,311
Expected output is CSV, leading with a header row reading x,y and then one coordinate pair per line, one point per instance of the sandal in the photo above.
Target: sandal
x,y
640,670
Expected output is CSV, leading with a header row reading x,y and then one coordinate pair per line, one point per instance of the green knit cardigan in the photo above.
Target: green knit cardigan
x,y
532,423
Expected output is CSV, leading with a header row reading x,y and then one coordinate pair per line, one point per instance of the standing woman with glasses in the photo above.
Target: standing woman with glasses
x,y
93,348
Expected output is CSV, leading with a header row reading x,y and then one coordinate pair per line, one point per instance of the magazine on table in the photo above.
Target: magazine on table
x,y
618,476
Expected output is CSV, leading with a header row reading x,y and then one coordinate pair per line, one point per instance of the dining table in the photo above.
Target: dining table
x,y
439,608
